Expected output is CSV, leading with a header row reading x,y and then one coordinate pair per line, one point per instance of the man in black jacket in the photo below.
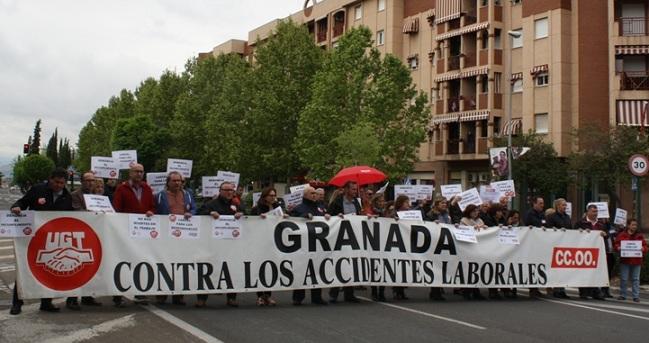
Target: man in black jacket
x,y
560,220
535,217
346,203
221,205
591,222
49,196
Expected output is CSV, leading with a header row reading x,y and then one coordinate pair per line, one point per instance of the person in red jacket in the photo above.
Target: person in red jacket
x,y
630,265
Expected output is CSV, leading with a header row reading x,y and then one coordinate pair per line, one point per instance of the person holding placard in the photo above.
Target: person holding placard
x,y
632,247
471,217
402,203
87,182
439,214
590,222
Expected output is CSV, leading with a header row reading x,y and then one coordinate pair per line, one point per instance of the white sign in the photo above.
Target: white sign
x,y
293,199
229,177
143,227
602,209
449,191
569,209
506,188
124,159
469,197
184,167
277,211
424,192
98,203
157,181
620,217
508,237
211,186
299,188
410,215
631,248
255,198
465,234
104,167
489,194
184,228
12,225
226,227
639,165
408,190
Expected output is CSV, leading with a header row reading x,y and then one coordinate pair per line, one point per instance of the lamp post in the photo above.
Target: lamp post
x,y
512,34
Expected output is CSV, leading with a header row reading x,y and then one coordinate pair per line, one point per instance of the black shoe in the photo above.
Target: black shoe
x,y
72,305
50,308
89,301
583,297
352,300
319,302
598,297
16,309
534,293
563,295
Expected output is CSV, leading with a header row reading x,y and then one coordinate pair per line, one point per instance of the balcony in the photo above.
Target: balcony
x,y
471,17
634,81
483,145
484,14
470,60
453,147
634,26
454,63
339,24
453,105
469,103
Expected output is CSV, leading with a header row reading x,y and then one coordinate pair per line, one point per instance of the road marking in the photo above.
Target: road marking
x,y
5,240
571,303
196,332
7,257
6,248
7,269
99,329
624,308
427,314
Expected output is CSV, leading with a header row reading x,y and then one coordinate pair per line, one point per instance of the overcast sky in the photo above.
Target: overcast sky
x,y
61,60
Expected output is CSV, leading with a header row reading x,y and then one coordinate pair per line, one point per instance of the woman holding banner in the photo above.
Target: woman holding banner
x,y
439,214
402,203
266,203
472,218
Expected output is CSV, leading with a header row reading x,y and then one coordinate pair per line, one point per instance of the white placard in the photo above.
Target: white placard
x,y
226,227
468,197
408,190
184,228
12,225
229,177
449,191
569,209
631,248
157,181
143,227
277,211
184,167
255,198
602,209
508,237
424,192
465,234
506,188
298,188
293,199
104,167
410,215
98,203
489,194
620,217
211,186
124,159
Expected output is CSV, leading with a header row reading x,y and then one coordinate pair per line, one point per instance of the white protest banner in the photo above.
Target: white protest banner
x,y
277,211
184,228
184,167
449,191
408,190
293,199
424,192
226,227
124,159
410,215
468,197
211,185
569,209
104,167
157,181
631,248
143,227
98,203
489,194
74,254
229,177
299,188
602,209
465,234
508,236
620,217
12,225
506,188
255,198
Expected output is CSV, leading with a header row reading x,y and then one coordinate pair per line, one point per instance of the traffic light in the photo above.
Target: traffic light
x,y
25,148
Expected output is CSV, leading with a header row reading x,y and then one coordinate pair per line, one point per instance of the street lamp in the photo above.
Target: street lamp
x,y
512,34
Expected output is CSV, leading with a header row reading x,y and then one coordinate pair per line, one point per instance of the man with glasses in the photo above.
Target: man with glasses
x,y
221,205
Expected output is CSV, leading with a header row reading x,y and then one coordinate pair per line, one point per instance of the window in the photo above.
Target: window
x,y
358,12
484,84
541,123
485,40
497,38
517,87
542,79
381,5
497,78
434,94
517,42
484,3
516,2
380,37
541,28
413,62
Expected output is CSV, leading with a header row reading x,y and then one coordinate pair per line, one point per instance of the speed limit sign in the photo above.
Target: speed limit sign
x,y
639,165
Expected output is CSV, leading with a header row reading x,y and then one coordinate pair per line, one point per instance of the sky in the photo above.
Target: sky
x,y
60,60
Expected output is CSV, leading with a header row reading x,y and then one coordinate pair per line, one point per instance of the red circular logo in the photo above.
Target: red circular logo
x,y
176,233
172,218
64,254
235,233
154,234
113,173
27,231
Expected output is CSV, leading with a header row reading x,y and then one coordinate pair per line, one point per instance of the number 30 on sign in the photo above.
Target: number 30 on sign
x,y
638,165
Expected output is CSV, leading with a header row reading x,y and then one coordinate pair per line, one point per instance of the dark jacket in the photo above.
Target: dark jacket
x,y
598,226
337,207
490,221
263,208
441,217
533,218
41,198
220,205
308,207
162,203
559,220
456,213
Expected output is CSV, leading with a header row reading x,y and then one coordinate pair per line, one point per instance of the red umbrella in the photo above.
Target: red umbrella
x,y
363,175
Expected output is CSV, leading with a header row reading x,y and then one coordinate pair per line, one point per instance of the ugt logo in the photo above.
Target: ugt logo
x,y
64,254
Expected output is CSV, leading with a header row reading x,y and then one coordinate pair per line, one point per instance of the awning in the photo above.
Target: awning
x,y
517,76
539,69
474,115
413,55
447,10
511,127
460,117
446,118
632,49
461,75
430,13
464,30
411,25
629,112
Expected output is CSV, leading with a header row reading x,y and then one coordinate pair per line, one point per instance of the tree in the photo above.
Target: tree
x,y
141,134
357,145
52,147
31,170
65,154
35,147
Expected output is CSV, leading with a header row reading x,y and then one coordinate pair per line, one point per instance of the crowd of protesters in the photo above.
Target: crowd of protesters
x,y
135,196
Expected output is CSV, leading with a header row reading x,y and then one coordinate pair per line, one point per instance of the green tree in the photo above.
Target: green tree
x,y
35,147
141,134
52,147
357,145
65,154
31,170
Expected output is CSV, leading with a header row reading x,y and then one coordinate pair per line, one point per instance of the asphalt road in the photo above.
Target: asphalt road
x,y
415,320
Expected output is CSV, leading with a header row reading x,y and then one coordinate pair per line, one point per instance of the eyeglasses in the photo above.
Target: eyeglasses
x,y
227,190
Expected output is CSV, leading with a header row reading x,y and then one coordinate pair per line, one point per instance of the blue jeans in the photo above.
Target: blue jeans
x,y
625,270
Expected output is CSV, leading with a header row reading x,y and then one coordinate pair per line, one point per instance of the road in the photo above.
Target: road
x,y
415,320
